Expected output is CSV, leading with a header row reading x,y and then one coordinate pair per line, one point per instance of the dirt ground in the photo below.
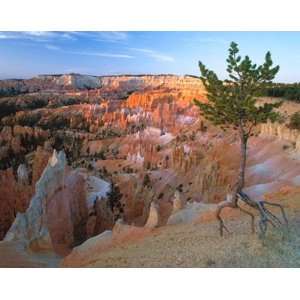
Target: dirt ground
x,y
199,245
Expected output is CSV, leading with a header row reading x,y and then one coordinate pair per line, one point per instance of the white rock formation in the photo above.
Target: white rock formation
x,y
97,188
31,226
22,173
153,217
78,81
177,202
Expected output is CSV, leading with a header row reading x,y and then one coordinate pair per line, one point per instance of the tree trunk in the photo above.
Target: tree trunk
x,y
241,178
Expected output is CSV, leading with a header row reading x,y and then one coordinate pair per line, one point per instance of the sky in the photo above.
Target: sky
x,y
27,54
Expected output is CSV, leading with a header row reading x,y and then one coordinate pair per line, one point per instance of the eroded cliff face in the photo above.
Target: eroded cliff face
x,y
281,132
32,225
58,211
83,82
16,191
151,81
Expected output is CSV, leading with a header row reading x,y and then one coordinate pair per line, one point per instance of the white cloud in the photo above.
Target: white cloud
x,y
39,36
7,35
89,53
101,54
44,36
112,36
52,47
104,36
154,54
37,33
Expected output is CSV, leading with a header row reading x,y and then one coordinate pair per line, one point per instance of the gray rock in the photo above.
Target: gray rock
x,y
190,213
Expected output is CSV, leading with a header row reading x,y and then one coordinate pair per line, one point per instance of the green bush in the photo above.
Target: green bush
x,y
295,121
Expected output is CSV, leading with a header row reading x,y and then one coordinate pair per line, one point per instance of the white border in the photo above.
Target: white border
x,y
150,15
151,284
144,284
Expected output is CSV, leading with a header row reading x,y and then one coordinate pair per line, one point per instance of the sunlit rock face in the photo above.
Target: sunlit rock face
x,y
56,216
17,189
67,213
76,81
152,81
32,226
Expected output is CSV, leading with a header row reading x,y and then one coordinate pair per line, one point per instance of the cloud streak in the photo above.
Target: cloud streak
x,y
101,54
103,36
38,36
46,36
154,54
89,53
52,47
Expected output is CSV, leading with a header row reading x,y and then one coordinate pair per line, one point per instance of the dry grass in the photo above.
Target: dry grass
x,y
199,245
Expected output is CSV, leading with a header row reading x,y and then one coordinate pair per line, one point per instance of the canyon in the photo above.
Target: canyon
x,y
93,165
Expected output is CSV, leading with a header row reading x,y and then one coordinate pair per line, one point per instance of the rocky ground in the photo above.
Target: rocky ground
x,y
199,245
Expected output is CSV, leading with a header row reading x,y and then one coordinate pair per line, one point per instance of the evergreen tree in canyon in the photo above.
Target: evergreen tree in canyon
x,y
232,103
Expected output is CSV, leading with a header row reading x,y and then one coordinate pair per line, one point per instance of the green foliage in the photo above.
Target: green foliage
x,y
232,102
295,121
147,181
114,201
289,91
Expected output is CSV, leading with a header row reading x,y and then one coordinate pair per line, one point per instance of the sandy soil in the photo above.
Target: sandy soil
x,y
199,245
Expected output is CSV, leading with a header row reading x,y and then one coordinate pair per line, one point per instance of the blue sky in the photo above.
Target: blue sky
x,y
26,54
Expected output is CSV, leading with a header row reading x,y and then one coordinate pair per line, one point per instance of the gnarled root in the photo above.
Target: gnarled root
x,y
227,203
282,211
266,216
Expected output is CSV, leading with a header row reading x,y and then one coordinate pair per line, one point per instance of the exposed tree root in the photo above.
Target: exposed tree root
x,y
266,216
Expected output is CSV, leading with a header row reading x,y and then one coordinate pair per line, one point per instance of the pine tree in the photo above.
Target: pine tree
x,y
114,201
232,103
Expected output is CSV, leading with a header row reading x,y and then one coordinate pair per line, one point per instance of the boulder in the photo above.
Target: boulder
x,y
89,250
190,213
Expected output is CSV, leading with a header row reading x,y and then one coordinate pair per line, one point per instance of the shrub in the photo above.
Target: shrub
x,y
295,121
147,181
114,201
